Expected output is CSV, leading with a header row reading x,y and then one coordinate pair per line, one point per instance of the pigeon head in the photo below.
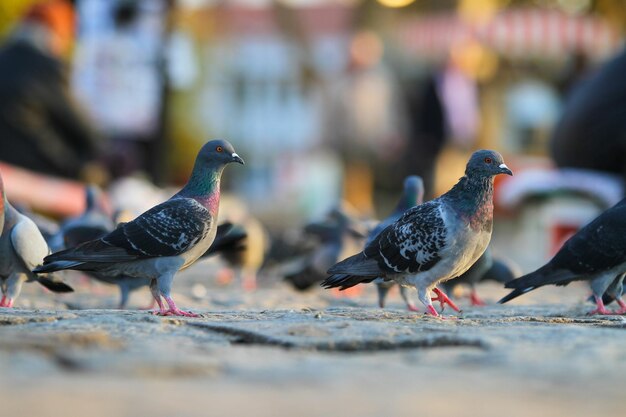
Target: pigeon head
x,y
486,163
218,152
204,183
414,187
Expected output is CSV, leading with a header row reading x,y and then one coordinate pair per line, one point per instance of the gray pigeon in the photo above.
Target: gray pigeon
x,y
22,248
226,240
596,253
412,195
433,242
93,223
333,234
163,240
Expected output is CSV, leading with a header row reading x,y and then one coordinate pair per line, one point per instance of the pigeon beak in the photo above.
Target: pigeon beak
x,y
237,158
505,169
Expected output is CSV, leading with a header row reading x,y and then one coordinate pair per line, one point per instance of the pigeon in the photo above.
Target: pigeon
x,y
226,240
93,223
484,269
412,195
596,253
334,235
163,240
246,258
434,241
22,248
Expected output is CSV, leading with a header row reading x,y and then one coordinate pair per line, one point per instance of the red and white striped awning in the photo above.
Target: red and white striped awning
x,y
514,33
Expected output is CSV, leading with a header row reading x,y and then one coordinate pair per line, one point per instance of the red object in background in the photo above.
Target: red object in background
x,y
43,193
348,292
559,233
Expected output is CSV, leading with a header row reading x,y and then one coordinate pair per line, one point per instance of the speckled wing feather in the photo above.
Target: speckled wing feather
x,y
168,229
413,243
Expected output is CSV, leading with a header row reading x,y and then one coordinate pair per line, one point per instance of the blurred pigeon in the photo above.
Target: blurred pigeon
x,y
163,240
22,248
412,195
48,227
484,269
433,242
92,224
246,258
333,234
596,253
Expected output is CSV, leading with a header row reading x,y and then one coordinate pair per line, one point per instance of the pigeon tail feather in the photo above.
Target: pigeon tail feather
x,y
58,266
357,264
345,281
545,275
54,285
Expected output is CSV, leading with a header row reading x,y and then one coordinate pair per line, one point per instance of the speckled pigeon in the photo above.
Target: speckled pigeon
x,y
596,253
22,248
412,195
433,242
163,240
226,240
486,268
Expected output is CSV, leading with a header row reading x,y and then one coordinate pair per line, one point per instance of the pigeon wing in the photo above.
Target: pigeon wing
x,y
168,229
413,243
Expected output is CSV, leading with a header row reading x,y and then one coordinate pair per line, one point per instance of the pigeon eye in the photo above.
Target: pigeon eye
x,y
488,160
219,149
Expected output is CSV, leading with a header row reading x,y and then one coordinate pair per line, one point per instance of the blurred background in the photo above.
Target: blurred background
x,y
332,103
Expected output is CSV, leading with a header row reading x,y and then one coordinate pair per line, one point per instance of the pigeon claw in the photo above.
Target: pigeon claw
x,y
600,308
411,307
443,300
430,311
176,312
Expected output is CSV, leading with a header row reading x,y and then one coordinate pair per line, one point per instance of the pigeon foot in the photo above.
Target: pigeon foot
x,y
411,307
6,302
443,300
175,312
622,307
601,309
430,311
475,300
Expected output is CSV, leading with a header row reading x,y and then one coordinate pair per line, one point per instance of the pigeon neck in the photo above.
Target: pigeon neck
x,y
204,186
472,197
407,201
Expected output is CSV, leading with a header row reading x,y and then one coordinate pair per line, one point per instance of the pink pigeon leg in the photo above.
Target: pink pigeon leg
x,y
475,300
175,311
622,305
3,301
443,300
9,303
430,310
411,307
600,307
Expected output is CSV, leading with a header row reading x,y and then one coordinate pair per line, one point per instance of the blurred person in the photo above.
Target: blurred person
x,y
366,118
442,108
42,128
591,133
117,76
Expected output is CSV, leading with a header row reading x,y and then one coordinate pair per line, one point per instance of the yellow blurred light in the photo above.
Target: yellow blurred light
x,y
395,3
479,10
475,60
